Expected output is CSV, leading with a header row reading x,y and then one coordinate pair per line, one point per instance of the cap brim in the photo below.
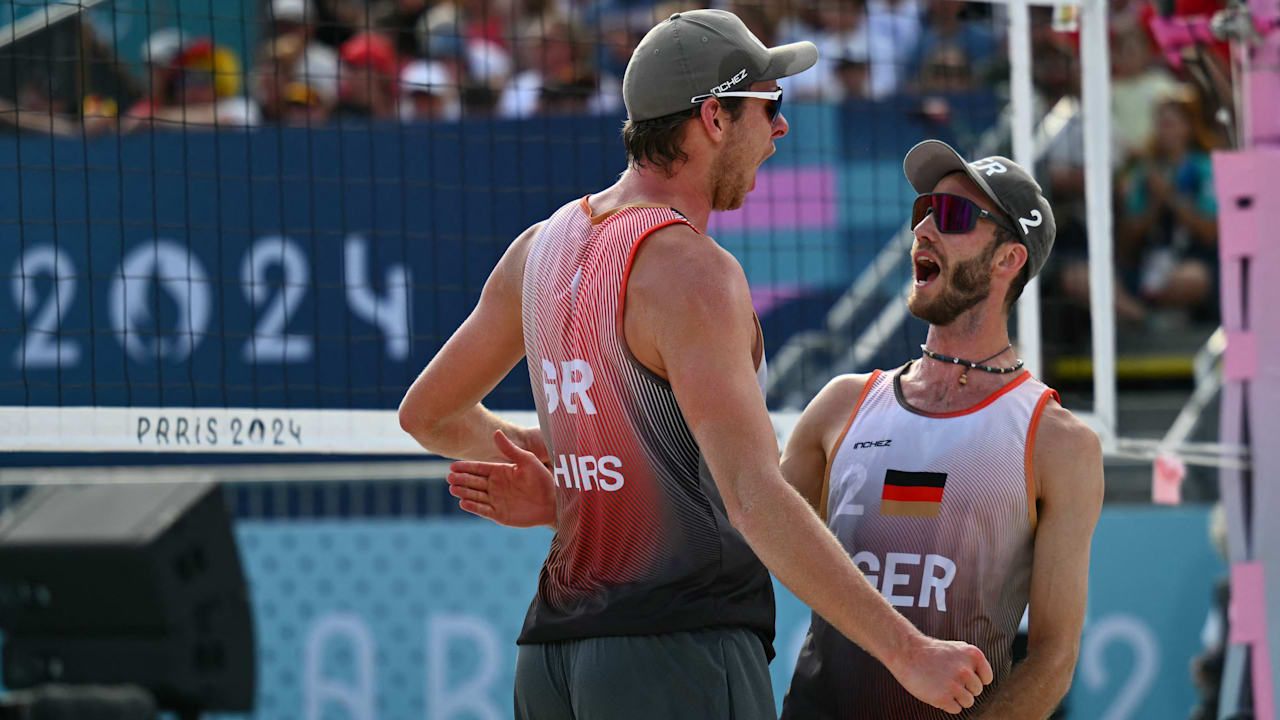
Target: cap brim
x,y
790,59
931,160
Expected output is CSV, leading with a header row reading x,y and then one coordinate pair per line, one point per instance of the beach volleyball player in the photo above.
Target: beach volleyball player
x,y
957,482
645,359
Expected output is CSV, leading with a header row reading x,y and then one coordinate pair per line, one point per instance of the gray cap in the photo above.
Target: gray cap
x,y
698,53
1008,185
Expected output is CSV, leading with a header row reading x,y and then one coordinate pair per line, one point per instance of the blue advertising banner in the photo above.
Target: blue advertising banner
x,y
323,267
417,619
303,268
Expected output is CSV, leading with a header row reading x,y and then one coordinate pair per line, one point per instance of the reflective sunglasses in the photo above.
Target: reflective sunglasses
x,y
773,108
953,213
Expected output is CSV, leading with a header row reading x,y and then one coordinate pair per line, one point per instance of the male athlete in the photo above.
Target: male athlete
x,y
957,482
645,358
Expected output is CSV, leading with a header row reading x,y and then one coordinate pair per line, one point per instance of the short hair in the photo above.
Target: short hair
x,y
657,143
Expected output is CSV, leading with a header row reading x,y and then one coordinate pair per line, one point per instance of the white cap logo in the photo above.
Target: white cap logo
x,y
991,166
742,74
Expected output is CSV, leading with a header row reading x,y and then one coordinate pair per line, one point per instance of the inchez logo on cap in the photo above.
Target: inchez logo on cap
x,y
742,74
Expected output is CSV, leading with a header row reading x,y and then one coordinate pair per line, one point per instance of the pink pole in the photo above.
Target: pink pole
x,y
1248,188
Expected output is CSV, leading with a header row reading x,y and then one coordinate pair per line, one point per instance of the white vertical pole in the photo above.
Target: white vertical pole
x,y
1096,71
1023,106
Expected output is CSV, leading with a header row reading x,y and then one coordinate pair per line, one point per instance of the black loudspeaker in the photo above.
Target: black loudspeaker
x,y
127,584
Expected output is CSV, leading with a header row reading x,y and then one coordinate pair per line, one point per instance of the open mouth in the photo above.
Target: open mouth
x,y
926,269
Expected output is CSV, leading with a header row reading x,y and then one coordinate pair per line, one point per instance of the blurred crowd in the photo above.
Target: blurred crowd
x,y
443,59
322,61
1170,108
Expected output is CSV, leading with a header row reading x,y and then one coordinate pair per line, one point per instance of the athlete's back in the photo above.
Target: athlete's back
x,y
643,544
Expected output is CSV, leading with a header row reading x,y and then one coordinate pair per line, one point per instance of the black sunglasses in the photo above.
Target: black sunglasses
x,y
953,213
774,108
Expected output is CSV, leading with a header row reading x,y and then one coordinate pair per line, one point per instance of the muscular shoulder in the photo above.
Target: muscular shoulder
x,y
519,249
678,268
814,437
509,272
1066,451
830,409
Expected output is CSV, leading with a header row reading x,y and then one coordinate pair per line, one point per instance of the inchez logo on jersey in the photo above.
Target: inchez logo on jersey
x,y
912,494
872,443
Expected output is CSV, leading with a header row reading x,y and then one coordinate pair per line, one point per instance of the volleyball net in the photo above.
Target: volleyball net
x,y
244,227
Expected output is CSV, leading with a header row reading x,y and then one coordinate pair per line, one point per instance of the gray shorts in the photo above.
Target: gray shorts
x,y
719,674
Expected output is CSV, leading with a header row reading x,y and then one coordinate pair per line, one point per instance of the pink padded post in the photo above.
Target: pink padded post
x,y
1249,222
1262,79
1248,623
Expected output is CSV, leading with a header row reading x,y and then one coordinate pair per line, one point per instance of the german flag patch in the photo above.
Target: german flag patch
x,y
912,494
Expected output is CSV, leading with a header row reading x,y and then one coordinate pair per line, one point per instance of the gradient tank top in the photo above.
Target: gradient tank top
x,y
644,545
938,511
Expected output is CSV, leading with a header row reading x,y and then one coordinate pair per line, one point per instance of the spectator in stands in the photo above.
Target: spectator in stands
x,y
946,69
555,55
947,34
839,29
1167,233
1137,84
158,55
314,63
304,106
317,68
762,18
438,37
620,34
401,24
199,87
1170,223
953,57
496,20
852,62
893,31
296,80
488,68
428,92
369,77
290,17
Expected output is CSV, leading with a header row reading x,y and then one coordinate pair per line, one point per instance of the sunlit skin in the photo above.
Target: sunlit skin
x,y
733,172
688,320
707,182
972,278
963,301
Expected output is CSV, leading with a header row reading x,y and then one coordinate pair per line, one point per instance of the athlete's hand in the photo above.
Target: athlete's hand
x,y
516,494
943,673
531,439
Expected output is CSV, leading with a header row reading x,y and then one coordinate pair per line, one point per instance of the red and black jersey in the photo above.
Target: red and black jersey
x,y
644,545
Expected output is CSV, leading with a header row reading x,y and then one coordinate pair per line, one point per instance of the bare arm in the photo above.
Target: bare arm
x,y
804,461
691,298
442,409
1068,466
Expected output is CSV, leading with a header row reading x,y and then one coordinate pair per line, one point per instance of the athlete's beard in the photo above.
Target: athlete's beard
x,y
968,284
731,174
